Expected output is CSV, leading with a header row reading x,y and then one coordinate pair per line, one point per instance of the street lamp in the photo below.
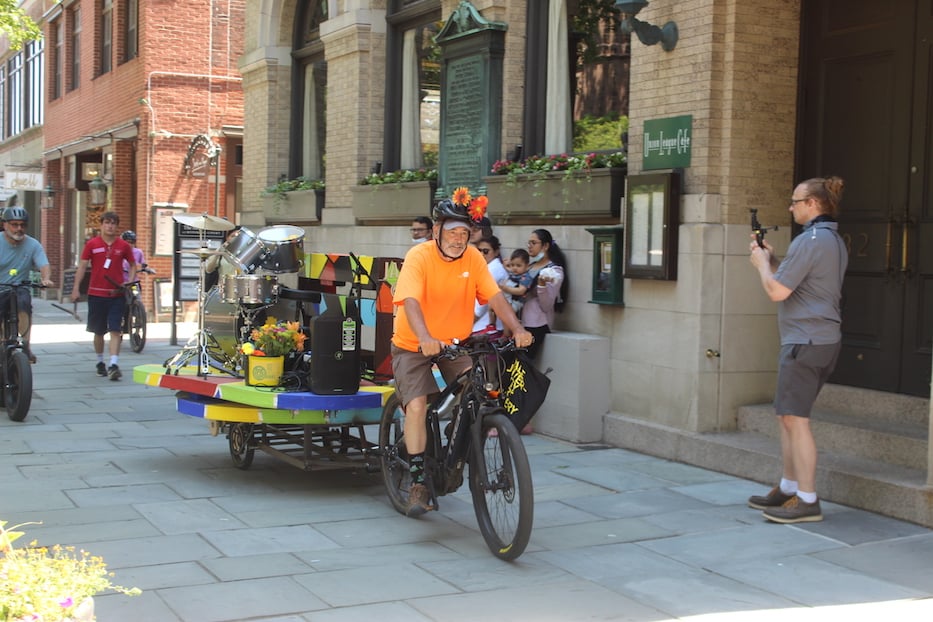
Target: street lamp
x,y
98,192
48,200
648,34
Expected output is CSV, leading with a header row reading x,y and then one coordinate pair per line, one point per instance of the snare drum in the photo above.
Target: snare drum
x,y
244,250
250,289
285,248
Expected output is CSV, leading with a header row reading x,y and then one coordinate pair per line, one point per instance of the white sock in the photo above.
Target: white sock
x,y
113,359
788,486
100,358
806,497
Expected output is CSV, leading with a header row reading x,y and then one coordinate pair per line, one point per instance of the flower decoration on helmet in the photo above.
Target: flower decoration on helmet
x,y
475,206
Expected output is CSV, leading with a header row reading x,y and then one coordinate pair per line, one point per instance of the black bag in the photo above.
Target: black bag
x,y
524,389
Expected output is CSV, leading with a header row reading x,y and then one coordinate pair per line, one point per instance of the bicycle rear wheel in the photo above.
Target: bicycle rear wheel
x,y
503,493
137,326
393,457
17,391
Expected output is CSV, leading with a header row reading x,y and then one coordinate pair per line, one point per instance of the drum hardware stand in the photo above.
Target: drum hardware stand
x,y
202,345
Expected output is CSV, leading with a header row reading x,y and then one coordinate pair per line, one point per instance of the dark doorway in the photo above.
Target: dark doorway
x,y
866,116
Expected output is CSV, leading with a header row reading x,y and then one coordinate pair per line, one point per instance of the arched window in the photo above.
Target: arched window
x,y
309,95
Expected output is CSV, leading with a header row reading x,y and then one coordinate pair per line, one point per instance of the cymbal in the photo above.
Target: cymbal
x,y
205,222
200,252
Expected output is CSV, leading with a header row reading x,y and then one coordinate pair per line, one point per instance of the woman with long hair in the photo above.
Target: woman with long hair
x,y
549,290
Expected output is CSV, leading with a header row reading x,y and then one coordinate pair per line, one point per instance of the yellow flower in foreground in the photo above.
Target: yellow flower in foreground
x,y
248,348
13,271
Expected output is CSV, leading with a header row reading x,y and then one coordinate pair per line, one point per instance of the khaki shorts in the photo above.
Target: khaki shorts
x,y
414,375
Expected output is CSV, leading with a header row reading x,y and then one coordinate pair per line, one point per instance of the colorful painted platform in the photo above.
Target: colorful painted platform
x,y
223,398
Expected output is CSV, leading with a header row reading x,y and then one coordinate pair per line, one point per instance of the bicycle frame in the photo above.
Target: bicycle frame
x,y
473,400
16,386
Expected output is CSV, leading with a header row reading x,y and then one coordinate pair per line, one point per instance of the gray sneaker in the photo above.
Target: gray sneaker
x,y
115,373
773,499
795,511
101,369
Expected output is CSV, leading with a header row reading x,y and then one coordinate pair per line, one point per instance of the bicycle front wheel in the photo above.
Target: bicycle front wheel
x,y
503,493
137,327
393,457
17,390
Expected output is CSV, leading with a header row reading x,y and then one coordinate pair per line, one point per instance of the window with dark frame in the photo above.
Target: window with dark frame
x,y
106,36
309,94
35,83
3,133
413,94
14,85
58,60
131,33
75,48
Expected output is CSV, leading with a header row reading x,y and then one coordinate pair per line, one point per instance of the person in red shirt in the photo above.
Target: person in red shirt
x,y
105,254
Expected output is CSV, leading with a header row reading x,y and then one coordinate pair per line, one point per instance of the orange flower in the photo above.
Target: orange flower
x,y
478,207
462,196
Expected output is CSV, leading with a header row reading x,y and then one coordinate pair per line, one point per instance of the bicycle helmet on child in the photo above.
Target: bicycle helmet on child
x,y
129,236
15,213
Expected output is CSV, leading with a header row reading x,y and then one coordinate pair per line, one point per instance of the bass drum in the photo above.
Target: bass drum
x,y
221,320
225,322
285,248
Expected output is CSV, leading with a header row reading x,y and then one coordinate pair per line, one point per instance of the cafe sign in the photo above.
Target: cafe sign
x,y
667,142
24,179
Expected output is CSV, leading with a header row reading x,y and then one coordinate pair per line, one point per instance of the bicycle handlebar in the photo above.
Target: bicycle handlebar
x,y
476,345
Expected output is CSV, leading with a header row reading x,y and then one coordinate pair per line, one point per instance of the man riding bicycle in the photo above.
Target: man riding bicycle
x,y
435,292
19,254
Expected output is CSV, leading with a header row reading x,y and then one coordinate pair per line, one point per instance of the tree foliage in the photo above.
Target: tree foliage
x,y
16,25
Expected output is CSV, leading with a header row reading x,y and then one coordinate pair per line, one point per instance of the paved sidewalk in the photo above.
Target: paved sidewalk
x,y
111,467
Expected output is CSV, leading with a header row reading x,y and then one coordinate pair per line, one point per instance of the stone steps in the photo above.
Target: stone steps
x,y
873,449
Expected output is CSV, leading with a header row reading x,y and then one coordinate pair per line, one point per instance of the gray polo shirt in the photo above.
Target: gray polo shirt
x,y
813,268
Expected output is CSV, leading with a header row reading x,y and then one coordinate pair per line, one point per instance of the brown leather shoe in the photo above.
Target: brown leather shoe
x,y
773,499
795,511
418,501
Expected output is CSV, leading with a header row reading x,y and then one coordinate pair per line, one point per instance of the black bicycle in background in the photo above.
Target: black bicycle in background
x,y
480,434
15,371
134,312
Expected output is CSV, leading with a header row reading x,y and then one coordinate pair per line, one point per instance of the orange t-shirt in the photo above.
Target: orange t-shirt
x,y
446,291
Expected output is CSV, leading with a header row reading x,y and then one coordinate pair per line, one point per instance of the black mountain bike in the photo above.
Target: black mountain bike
x,y
480,434
134,316
15,372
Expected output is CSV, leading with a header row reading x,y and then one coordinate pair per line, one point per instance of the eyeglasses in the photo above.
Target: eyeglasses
x,y
793,201
533,242
485,251
418,230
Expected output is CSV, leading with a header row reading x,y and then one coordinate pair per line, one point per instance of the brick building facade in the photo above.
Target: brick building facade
x,y
129,109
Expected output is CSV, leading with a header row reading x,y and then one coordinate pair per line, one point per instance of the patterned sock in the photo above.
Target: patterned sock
x,y
417,468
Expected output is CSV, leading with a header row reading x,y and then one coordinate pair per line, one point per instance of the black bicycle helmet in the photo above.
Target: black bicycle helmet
x,y
15,213
448,210
129,236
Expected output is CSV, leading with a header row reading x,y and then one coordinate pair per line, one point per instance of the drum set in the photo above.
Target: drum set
x,y
248,289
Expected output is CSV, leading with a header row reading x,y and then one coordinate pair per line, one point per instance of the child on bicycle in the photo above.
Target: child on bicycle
x,y
19,254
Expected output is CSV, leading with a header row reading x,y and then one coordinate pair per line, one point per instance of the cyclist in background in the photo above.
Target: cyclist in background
x,y
20,254
130,238
434,295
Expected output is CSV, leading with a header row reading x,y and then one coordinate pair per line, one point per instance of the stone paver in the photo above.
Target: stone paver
x,y
113,468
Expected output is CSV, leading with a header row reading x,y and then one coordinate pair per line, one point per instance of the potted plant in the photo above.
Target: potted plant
x,y
266,350
294,200
50,583
584,185
395,196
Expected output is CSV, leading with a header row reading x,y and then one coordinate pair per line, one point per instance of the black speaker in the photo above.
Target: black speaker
x,y
335,354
